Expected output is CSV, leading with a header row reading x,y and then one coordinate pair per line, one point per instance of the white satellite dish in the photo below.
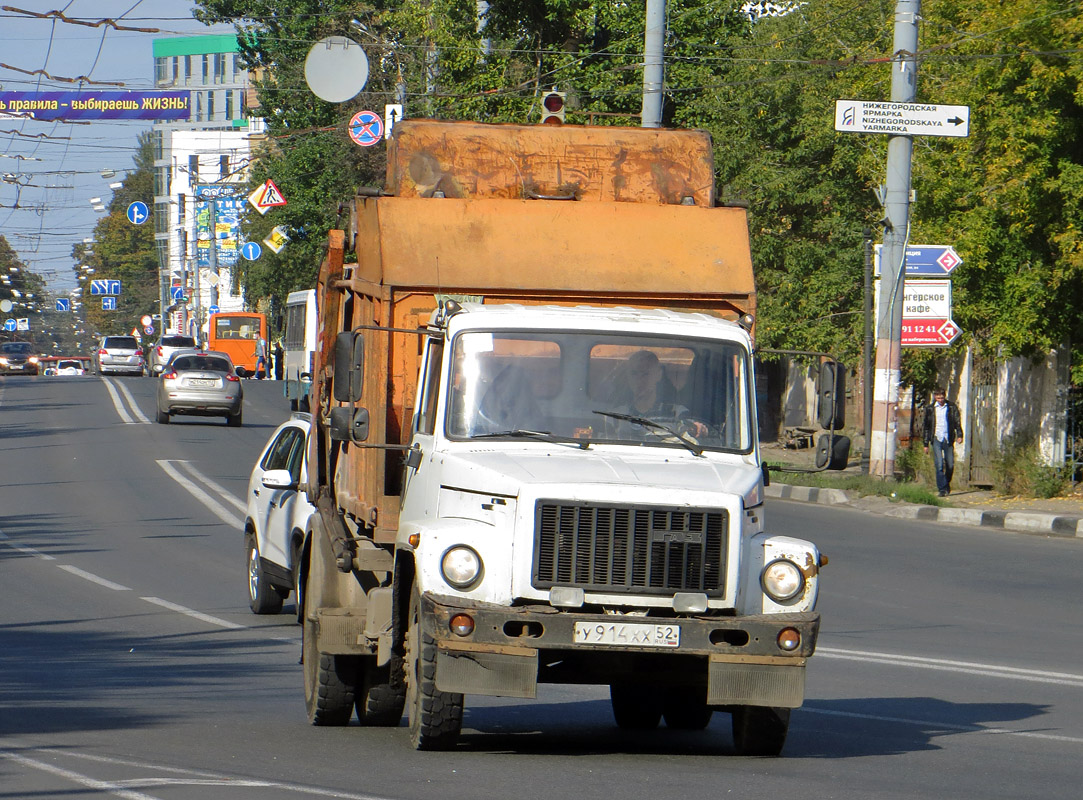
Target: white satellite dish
x,y
336,69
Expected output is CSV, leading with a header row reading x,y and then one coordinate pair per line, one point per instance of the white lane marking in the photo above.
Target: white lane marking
x,y
90,576
76,777
204,778
132,404
937,725
22,548
117,404
189,612
219,490
946,665
212,505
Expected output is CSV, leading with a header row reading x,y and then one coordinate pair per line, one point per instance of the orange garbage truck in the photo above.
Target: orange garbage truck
x,y
533,453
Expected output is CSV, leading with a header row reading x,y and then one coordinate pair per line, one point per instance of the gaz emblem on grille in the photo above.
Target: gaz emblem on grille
x,y
676,537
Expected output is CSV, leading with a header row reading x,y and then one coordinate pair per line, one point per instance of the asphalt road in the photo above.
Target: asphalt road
x,y
130,666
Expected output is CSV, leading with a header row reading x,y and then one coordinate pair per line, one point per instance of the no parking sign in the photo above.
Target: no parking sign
x,y
366,128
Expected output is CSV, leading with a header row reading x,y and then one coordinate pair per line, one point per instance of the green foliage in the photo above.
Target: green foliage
x,y
31,294
1018,470
913,463
1009,197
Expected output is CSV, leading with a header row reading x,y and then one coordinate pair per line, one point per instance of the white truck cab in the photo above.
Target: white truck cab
x,y
584,489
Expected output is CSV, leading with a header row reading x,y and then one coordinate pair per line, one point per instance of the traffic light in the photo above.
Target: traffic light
x,y
553,108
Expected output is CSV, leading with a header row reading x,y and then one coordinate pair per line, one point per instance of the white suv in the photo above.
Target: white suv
x,y
119,354
164,348
277,513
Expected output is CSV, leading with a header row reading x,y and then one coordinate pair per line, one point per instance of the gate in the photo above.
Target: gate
x,y
983,423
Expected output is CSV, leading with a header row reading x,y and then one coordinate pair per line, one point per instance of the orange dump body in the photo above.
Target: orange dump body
x,y
557,215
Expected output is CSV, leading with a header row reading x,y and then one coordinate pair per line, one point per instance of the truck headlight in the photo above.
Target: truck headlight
x,y
461,566
782,580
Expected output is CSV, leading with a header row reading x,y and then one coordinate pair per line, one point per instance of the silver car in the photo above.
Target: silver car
x,y
119,354
164,349
203,383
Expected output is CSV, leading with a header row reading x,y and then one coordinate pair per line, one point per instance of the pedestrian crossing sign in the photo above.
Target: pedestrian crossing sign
x,y
266,197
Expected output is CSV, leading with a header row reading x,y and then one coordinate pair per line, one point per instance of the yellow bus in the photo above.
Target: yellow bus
x,y
237,333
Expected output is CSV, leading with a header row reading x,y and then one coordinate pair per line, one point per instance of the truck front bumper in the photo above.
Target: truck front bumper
x,y
511,650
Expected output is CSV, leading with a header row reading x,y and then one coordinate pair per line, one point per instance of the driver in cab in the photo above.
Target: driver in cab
x,y
653,397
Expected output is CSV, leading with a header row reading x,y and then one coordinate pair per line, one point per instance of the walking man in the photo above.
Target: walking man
x,y
261,358
942,431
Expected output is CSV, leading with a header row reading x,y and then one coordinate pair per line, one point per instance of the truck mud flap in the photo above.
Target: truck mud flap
x,y
339,632
510,673
744,683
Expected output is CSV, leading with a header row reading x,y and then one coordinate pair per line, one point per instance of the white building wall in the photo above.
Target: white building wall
x,y
207,147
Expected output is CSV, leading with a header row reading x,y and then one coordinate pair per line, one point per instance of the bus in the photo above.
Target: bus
x,y
236,334
299,347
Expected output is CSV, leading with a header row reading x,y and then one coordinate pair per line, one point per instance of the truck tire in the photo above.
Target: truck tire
x,y
760,731
685,708
635,706
330,681
435,717
379,704
262,597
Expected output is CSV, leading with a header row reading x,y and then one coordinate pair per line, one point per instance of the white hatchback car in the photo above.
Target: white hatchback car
x,y
277,513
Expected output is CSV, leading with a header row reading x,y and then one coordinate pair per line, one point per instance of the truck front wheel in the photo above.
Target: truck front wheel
x,y
435,717
760,731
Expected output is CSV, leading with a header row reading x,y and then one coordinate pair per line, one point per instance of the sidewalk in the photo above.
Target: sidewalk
x,y
1056,516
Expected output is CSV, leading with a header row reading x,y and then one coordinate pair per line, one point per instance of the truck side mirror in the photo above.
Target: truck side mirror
x,y
349,424
831,395
832,451
349,366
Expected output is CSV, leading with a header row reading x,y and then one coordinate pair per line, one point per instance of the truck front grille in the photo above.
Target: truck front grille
x,y
630,549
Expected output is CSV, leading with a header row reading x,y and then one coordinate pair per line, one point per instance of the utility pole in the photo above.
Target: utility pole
x,y
653,69
866,357
896,200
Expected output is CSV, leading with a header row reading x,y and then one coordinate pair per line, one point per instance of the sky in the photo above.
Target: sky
x,y
51,170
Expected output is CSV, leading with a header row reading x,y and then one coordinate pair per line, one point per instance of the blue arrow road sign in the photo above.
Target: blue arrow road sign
x,y
63,304
251,250
109,304
138,213
105,286
10,324
176,293
213,310
927,259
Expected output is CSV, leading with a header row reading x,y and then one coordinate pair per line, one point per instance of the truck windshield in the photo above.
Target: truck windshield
x,y
603,387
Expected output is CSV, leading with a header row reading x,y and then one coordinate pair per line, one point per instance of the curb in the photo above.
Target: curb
x,y
1022,521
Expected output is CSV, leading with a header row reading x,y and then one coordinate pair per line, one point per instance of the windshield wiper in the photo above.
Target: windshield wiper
x,y
526,433
650,423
